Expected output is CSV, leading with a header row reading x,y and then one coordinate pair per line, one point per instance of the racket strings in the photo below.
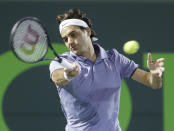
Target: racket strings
x,y
30,41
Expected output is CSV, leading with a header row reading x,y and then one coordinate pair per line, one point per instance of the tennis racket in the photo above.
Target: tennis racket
x,y
29,42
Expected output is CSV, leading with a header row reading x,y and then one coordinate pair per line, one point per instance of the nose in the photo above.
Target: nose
x,y
70,42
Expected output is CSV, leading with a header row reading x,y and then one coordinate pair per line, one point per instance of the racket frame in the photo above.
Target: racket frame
x,y
13,32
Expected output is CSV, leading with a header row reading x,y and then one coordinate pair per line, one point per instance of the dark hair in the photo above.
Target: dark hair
x,y
76,14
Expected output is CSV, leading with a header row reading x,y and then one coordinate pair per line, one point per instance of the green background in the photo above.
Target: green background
x,y
29,101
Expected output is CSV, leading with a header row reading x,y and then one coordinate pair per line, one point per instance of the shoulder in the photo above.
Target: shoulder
x,y
117,57
113,53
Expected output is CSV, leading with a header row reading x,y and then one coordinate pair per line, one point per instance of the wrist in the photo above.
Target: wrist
x,y
67,77
156,81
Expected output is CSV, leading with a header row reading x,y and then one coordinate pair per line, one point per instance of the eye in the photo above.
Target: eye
x,y
65,39
73,35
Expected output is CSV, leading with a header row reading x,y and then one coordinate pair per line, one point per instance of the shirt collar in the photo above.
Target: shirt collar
x,y
98,49
101,52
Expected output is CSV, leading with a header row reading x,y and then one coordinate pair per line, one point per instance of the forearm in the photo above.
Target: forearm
x,y
146,78
155,80
64,75
58,77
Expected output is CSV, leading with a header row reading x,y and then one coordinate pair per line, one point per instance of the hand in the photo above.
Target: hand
x,y
155,66
72,72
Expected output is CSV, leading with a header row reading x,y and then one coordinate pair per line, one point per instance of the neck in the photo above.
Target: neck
x,y
90,53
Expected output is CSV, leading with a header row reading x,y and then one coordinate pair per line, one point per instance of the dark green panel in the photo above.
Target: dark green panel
x,y
31,103
115,23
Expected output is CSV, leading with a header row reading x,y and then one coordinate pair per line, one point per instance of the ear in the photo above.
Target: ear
x,y
88,31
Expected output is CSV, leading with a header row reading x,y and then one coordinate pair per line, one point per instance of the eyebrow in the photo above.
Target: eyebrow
x,y
68,34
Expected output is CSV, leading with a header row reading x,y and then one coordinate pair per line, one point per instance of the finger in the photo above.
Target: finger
x,y
149,58
67,70
77,67
160,60
160,74
162,69
70,73
161,64
74,65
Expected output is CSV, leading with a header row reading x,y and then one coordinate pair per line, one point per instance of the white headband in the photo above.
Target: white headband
x,y
69,22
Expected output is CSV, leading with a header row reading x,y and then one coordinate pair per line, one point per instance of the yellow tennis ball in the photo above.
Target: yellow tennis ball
x,y
131,47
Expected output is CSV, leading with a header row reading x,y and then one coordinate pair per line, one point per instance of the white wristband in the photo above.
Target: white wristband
x,y
66,77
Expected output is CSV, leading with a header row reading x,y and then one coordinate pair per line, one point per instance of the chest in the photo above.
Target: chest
x,y
97,80
104,73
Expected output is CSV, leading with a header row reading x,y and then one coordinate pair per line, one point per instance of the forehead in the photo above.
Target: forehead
x,y
68,30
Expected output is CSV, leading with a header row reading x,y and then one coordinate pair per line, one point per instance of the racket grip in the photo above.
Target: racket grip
x,y
66,64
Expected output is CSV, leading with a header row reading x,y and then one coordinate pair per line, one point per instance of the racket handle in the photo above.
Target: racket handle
x,y
66,64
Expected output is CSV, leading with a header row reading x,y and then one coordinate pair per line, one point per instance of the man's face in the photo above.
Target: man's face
x,y
75,39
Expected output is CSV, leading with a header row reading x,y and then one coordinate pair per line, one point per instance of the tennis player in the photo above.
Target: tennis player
x,y
90,92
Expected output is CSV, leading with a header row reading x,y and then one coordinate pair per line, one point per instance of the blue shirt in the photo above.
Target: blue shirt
x,y
90,101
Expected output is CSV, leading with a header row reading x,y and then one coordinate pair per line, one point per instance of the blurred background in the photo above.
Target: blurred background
x,y
29,101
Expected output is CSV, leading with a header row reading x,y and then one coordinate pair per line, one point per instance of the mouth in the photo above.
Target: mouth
x,y
74,47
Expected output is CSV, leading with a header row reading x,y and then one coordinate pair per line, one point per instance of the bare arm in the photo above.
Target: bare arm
x,y
154,77
58,76
146,78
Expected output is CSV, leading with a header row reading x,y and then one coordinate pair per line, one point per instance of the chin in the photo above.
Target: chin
x,y
75,52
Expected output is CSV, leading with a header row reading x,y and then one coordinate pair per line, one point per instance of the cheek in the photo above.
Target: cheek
x,y
83,39
66,45
78,40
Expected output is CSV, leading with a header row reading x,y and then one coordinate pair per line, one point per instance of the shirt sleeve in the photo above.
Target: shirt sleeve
x,y
54,65
126,66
